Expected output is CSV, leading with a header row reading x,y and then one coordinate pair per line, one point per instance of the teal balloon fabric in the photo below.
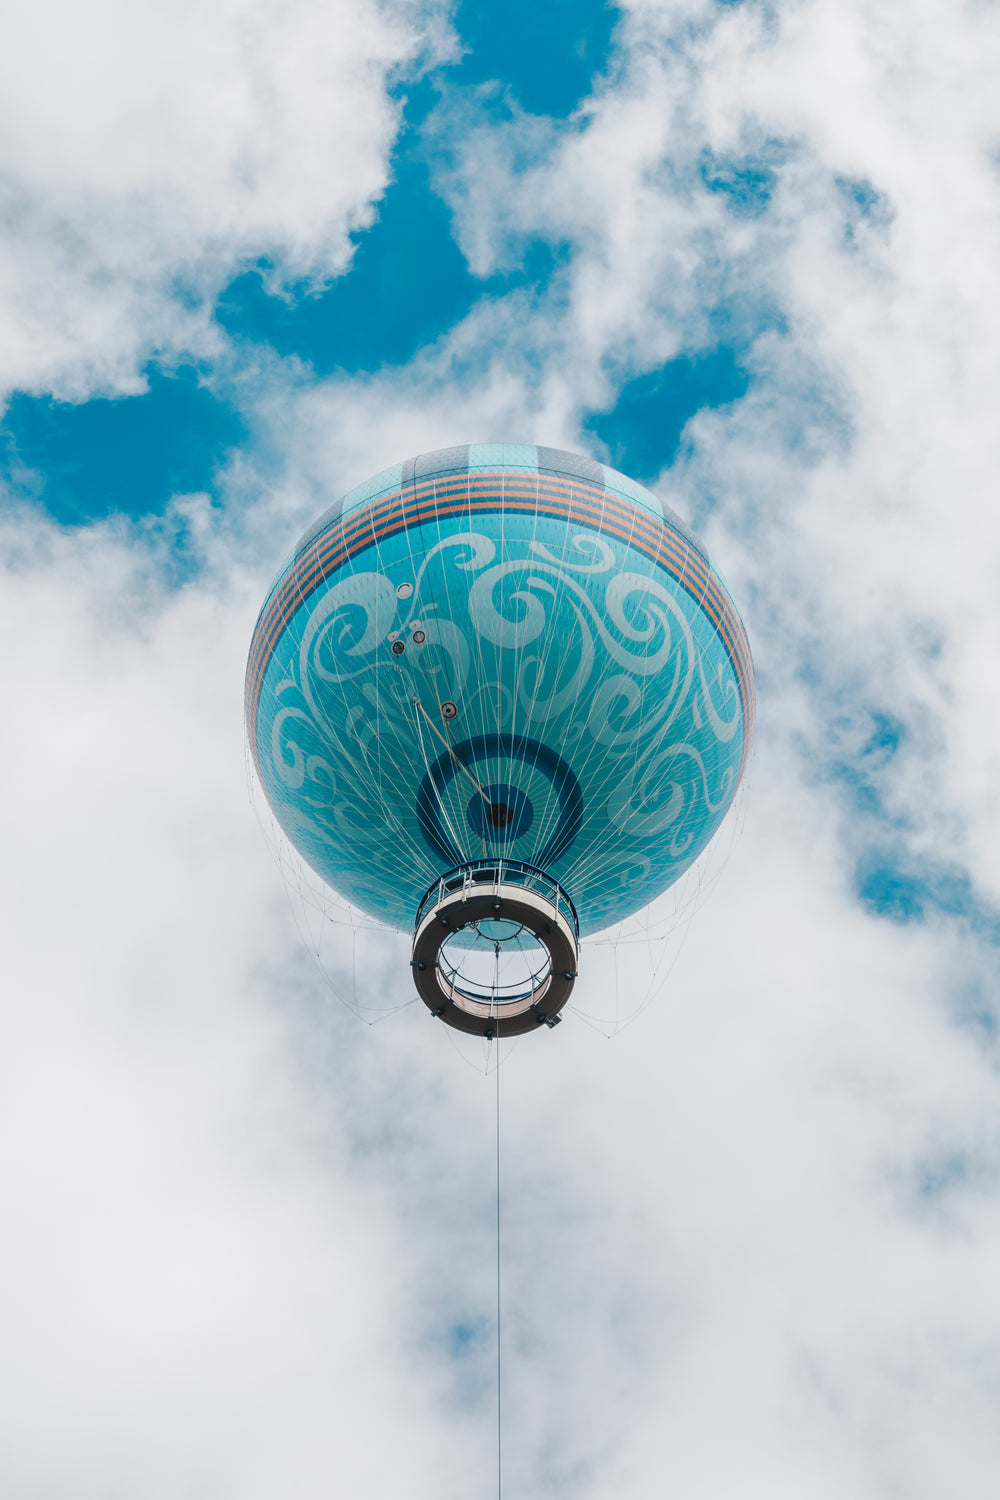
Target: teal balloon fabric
x,y
499,650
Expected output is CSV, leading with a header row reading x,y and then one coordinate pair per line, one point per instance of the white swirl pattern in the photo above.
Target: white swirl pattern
x,y
616,669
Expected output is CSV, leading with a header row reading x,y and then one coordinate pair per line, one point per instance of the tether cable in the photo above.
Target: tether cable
x,y
499,1429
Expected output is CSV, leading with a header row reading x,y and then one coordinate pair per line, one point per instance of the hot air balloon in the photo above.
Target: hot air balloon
x,y
499,697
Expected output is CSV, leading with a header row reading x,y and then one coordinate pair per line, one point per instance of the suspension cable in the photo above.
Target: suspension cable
x,y
452,752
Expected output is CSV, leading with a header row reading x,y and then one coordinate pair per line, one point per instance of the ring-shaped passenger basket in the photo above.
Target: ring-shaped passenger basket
x,y
507,892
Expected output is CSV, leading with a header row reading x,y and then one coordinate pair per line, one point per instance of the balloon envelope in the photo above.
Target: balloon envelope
x,y
499,650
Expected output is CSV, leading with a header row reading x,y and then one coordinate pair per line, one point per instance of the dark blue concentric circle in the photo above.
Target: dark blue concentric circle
x,y
501,812
515,750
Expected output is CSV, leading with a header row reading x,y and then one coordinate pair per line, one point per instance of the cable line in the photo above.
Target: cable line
x,y
499,1429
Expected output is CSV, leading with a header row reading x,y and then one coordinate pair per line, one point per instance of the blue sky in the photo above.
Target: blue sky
x,y
746,252
408,285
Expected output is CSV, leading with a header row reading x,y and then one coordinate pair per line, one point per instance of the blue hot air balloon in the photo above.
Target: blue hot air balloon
x,y
499,696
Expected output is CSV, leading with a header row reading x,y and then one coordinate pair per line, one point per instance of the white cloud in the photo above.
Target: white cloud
x,y
149,153
751,1244
198,1291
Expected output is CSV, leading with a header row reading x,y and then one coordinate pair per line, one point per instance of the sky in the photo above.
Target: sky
x,y
253,253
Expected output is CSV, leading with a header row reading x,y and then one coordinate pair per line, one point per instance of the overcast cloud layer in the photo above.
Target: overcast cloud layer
x,y
751,1242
